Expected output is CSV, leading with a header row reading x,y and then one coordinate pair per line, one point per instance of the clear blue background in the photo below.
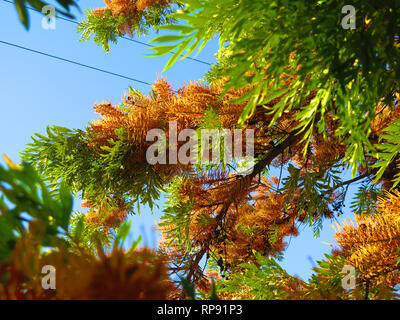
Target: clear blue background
x,y
36,91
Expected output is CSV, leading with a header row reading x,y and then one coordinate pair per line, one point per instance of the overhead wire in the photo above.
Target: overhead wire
x,y
74,62
123,37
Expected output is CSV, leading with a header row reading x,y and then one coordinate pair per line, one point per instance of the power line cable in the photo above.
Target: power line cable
x,y
123,37
36,10
73,62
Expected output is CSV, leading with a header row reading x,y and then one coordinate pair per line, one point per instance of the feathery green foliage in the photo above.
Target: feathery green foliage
x,y
107,28
100,175
349,71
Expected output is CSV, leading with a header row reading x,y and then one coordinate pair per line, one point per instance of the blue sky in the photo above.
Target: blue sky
x,y
36,91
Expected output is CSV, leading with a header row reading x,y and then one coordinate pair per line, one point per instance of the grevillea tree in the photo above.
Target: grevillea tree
x,y
321,100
